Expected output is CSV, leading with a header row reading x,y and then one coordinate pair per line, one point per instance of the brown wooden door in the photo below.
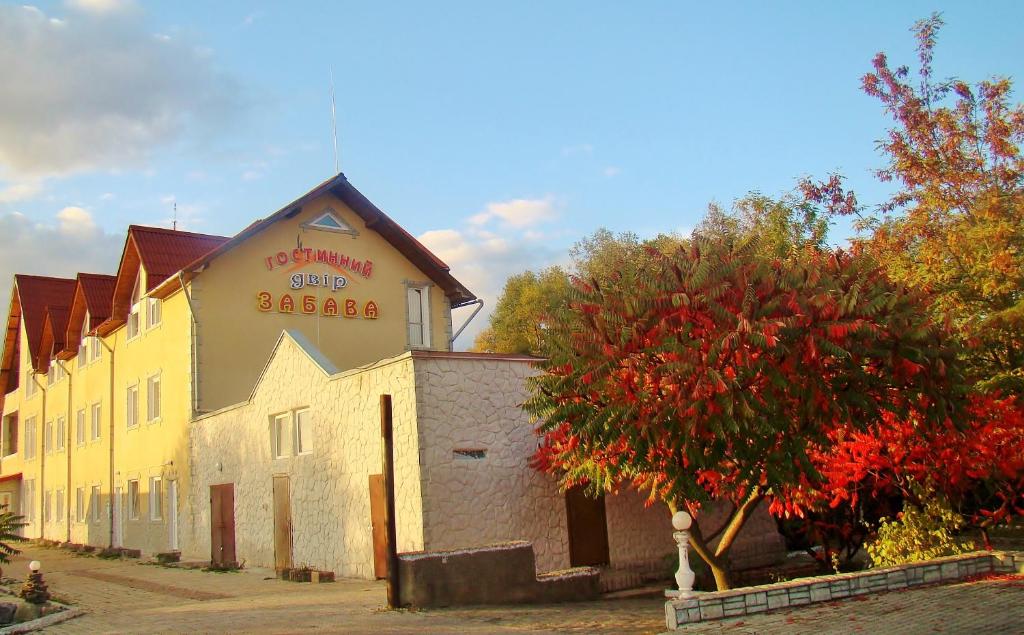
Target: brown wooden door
x,y
282,523
379,526
222,524
588,529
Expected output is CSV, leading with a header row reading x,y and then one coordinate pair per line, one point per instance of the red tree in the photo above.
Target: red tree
x,y
715,373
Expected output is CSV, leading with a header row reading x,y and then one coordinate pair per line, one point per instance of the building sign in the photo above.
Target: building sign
x,y
330,306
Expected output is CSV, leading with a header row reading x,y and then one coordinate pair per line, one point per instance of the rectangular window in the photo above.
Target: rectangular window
x,y
96,416
303,432
279,436
132,414
47,500
156,498
48,437
133,322
62,434
80,427
419,316
10,434
94,503
28,498
30,384
50,375
152,312
82,352
30,438
60,506
133,499
153,398
95,348
80,504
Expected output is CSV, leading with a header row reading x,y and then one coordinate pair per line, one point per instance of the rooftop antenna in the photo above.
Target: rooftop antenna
x,y
334,125
174,223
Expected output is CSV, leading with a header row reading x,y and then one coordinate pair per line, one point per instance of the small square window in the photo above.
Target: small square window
x,y
94,503
279,436
133,499
303,432
156,498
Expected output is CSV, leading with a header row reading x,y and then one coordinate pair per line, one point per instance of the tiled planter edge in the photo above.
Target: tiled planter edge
x,y
758,599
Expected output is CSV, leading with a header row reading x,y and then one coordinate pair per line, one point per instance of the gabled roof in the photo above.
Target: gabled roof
x,y
30,299
163,253
93,296
374,218
52,340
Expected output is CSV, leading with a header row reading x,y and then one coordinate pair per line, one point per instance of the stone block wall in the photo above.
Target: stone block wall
x,y
330,507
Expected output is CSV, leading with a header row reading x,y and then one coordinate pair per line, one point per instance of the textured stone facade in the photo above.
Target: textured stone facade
x,y
462,451
330,507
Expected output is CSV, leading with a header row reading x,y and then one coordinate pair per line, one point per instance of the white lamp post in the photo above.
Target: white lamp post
x,y
681,521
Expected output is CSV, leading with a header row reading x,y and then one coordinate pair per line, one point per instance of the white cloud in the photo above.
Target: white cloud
x,y
93,92
20,191
71,244
483,261
611,171
102,7
517,213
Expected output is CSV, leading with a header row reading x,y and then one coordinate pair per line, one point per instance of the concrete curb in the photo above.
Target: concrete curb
x,y
758,599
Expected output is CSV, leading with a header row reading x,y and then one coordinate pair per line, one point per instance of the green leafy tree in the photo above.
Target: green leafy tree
x,y
521,314
955,224
10,523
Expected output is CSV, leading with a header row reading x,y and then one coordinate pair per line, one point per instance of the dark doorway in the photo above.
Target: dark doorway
x,y
588,529
378,523
222,525
282,523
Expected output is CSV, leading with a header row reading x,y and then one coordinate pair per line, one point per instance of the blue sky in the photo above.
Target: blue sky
x,y
498,134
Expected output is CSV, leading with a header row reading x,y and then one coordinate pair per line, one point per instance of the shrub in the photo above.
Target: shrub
x,y
918,534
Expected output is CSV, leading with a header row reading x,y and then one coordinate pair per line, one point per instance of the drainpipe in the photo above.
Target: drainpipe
x,y
67,449
110,515
195,357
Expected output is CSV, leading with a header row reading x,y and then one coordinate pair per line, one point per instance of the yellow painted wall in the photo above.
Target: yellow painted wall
x,y
235,338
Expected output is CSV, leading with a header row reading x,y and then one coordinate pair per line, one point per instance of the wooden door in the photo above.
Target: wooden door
x,y
378,524
222,524
282,523
588,529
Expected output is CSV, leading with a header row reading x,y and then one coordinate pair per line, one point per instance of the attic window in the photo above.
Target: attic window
x,y
329,221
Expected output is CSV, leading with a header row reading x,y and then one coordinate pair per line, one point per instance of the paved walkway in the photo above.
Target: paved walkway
x,y
129,597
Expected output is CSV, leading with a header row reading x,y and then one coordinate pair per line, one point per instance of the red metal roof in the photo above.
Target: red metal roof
x,y
165,252
52,341
36,294
98,290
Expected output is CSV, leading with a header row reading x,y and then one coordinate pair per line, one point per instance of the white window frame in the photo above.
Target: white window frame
x,y
156,503
278,433
59,505
153,312
30,439
303,444
61,430
417,299
132,406
133,499
80,427
47,509
95,348
154,391
30,384
83,343
95,421
28,499
48,437
80,510
95,494
134,323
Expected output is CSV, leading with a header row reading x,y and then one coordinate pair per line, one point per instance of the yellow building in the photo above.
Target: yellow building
x,y
103,375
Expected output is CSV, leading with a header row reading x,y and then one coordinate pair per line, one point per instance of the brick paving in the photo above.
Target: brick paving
x,y
130,597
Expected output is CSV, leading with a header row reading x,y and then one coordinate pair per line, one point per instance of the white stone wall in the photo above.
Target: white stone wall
x,y
472,402
329,488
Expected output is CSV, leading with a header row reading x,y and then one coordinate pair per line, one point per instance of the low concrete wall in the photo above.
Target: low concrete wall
x,y
495,574
758,599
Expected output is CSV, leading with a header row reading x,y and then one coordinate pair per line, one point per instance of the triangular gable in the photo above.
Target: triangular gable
x,y
328,220
93,297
